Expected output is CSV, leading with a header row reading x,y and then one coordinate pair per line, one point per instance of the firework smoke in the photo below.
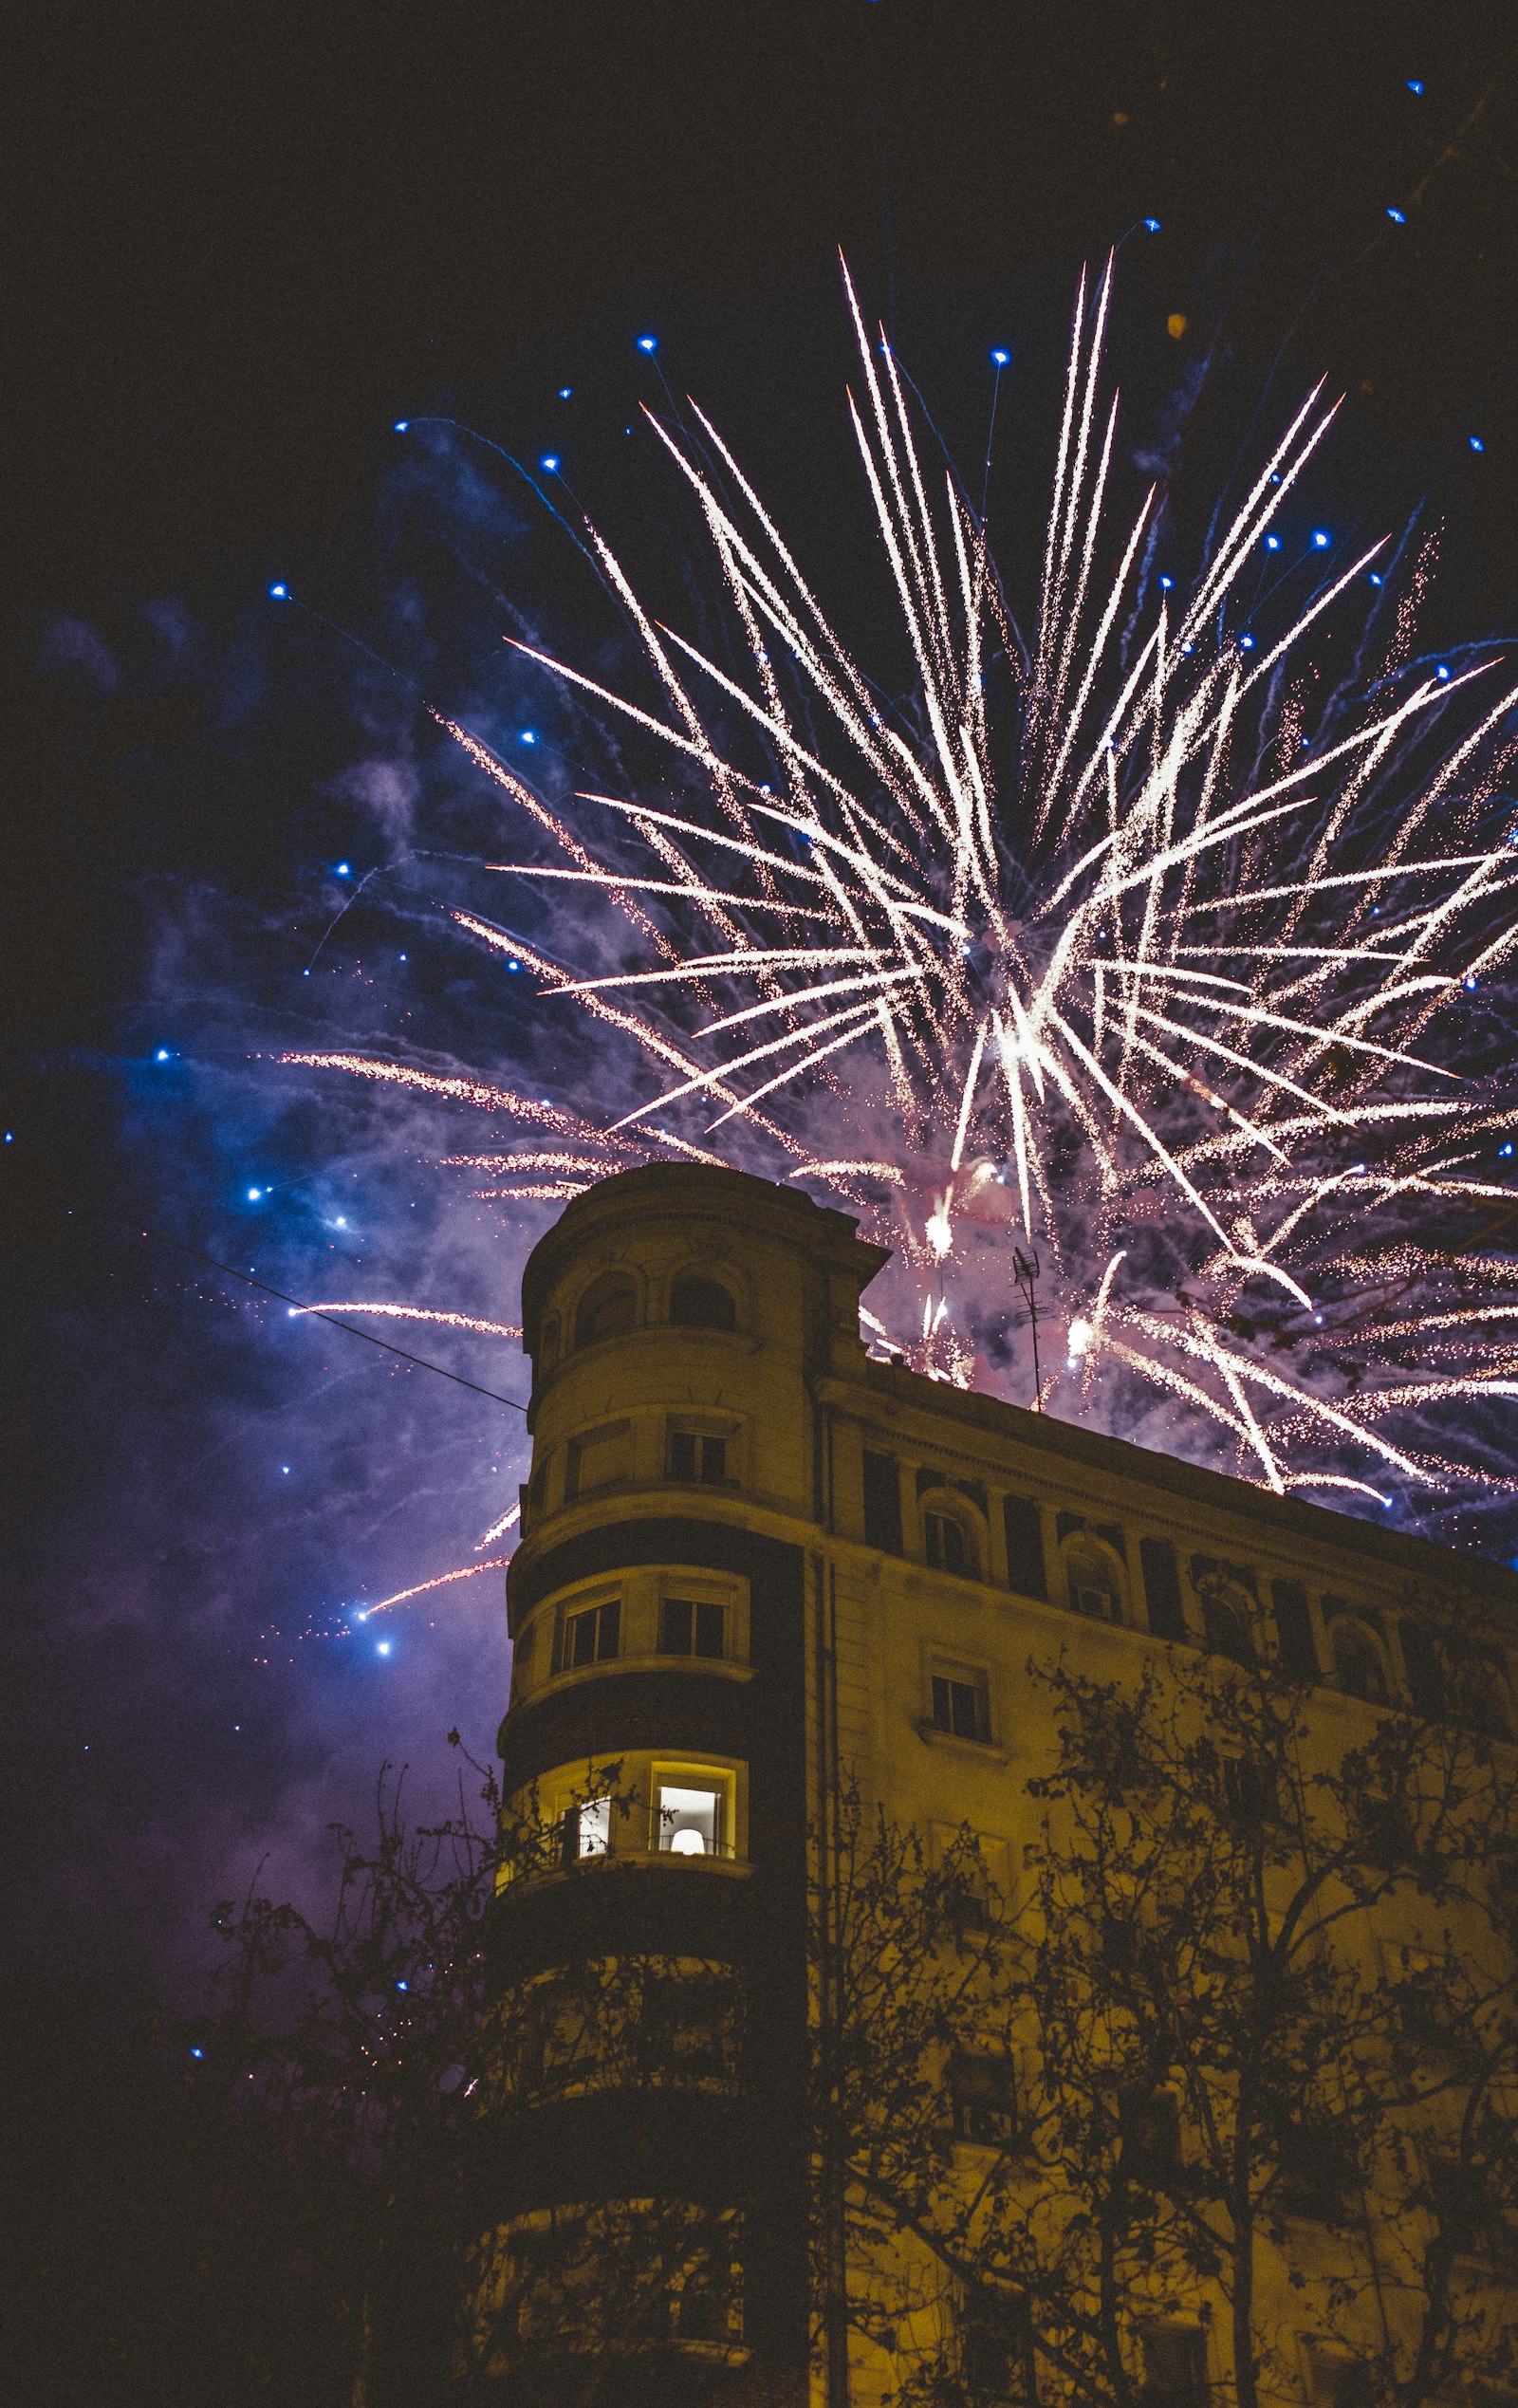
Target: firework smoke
x,y
1109,944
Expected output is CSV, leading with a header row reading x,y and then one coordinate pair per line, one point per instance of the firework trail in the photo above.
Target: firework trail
x,y
1101,942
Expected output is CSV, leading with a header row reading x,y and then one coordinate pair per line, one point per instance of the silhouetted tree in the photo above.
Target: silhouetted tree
x,y
1231,2075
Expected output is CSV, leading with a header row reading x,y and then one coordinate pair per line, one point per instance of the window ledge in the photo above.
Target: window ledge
x,y
983,1751
632,1859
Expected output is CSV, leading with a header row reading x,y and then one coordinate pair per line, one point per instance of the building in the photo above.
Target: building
x,y
751,1553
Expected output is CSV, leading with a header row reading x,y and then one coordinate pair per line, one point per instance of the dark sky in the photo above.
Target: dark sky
x,y
247,241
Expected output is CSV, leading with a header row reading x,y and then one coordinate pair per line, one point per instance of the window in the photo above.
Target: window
x,y
701,1303
1095,1583
1024,1546
1150,2124
883,1502
522,1654
1228,1596
1340,2383
996,2347
1316,2177
1249,1790
588,1635
983,2100
950,1547
688,2026
586,1830
1357,1661
1167,1616
607,1309
600,1459
690,1626
1226,1619
1175,2368
961,1702
1296,1647
696,1457
691,1813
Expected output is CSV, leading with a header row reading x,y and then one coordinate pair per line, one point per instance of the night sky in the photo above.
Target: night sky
x,y
250,241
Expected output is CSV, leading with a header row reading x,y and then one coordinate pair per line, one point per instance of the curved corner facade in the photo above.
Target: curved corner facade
x,y
681,1323
754,1558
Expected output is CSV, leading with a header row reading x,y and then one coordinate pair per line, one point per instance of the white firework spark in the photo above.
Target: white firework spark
x,y
1088,947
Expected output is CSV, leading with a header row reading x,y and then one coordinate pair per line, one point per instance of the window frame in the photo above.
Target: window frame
x,y
941,1507
1343,1619
703,1430
684,1772
1102,1557
965,1672
696,1608
575,1608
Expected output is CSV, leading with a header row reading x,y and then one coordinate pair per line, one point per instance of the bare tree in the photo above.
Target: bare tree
x,y
1229,2085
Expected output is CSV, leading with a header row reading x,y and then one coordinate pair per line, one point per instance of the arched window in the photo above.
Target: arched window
x,y
949,1538
1094,1583
1357,1663
1227,1614
608,1309
698,1303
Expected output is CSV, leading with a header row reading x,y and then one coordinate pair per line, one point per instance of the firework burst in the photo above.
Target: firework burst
x,y
1097,945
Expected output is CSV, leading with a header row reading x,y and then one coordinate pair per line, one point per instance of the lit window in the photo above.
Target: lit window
x,y
961,1703
696,1457
589,1635
586,1830
947,1543
690,1626
692,1815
